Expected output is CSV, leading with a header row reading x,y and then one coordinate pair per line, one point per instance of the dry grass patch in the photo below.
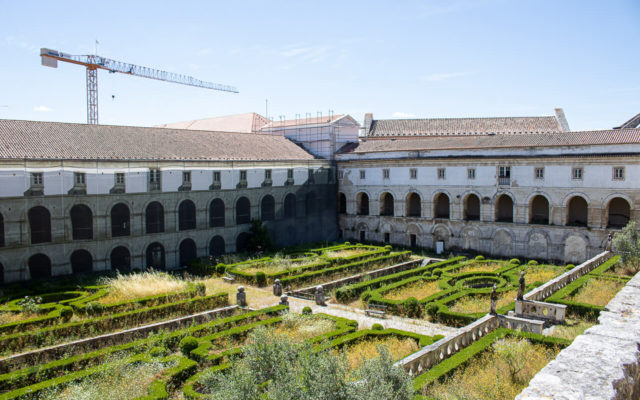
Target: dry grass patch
x,y
420,290
367,349
542,273
299,327
499,373
256,297
346,253
9,317
620,269
572,328
481,267
134,286
597,292
480,304
277,264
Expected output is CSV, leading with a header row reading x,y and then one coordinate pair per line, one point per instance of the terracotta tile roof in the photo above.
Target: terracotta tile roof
x,y
245,123
55,140
303,121
464,126
606,137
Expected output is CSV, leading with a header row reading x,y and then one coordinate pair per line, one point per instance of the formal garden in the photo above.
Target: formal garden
x,y
153,335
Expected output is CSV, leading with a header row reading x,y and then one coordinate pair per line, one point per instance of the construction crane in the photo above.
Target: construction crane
x,y
93,63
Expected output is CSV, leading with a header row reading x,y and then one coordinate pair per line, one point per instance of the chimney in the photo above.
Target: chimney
x,y
368,119
562,120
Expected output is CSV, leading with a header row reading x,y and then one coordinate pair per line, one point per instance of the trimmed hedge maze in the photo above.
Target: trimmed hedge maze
x,y
455,291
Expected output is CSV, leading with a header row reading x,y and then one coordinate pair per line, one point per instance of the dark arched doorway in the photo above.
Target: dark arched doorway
x,y
539,210
186,216
120,220
241,242
81,222
504,209
441,206
243,211
216,213
268,208
155,256
472,208
386,204
81,262
217,246
618,213
188,252
120,259
290,206
39,266
40,225
577,212
362,199
154,217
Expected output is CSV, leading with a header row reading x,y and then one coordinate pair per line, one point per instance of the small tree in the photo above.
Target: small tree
x,y
260,239
626,243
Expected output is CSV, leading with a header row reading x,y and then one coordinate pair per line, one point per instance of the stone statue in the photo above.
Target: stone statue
x,y
284,300
494,301
277,288
320,295
521,286
241,297
609,242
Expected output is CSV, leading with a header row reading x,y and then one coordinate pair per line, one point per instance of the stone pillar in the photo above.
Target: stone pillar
x,y
277,288
320,295
241,297
284,300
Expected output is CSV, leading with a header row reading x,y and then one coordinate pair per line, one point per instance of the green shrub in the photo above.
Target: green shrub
x,y
187,344
377,327
158,351
94,308
479,258
412,307
532,262
261,278
570,266
307,311
66,313
514,261
432,310
201,289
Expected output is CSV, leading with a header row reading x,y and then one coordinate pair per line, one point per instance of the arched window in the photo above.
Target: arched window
x,y
39,266
577,212
386,204
216,213
414,205
539,210
120,220
619,213
472,208
441,206
40,225
81,222
241,242
243,211
1,273
1,230
155,217
81,262
121,259
186,215
310,203
290,206
155,256
268,208
217,246
342,203
362,199
504,209
188,252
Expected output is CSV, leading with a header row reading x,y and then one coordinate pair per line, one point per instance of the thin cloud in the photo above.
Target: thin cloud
x,y
400,114
42,109
444,76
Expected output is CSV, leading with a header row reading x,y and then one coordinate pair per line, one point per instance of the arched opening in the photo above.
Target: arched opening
x,y
414,205
241,242
40,225
290,206
471,208
216,213
1,230
217,246
619,213
155,256
577,212
120,216
1,273
342,203
81,262
186,216
39,266
386,204
504,209
188,252
120,259
81,222
441,206
310,203
243,211
268,208
155,217
362,199
539,210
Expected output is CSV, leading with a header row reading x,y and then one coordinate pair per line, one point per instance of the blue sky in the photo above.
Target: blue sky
x,y
395,59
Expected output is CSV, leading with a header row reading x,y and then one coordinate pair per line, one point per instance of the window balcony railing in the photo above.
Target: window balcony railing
x,y
504,181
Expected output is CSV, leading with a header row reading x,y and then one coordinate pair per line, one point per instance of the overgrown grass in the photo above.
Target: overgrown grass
x,y
420,289
299,327
346,253
542,273
133,286
369,348
480,267
573,327
278,263
256,297
499,373
478,304
624,270
597,292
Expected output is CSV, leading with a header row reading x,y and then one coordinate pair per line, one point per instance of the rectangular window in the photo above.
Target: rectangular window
x,y
441,173
216,176
290,173
119,178
504,172
618,173
538,173
79,178
186,177
267,174
471,173
154,176
36,179
385,173
362,174
243,176
340,174
387,237
413,173
576,173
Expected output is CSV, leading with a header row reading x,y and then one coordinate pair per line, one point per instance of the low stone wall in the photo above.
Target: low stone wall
x,y
521,324
540,310
549,288
602,364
